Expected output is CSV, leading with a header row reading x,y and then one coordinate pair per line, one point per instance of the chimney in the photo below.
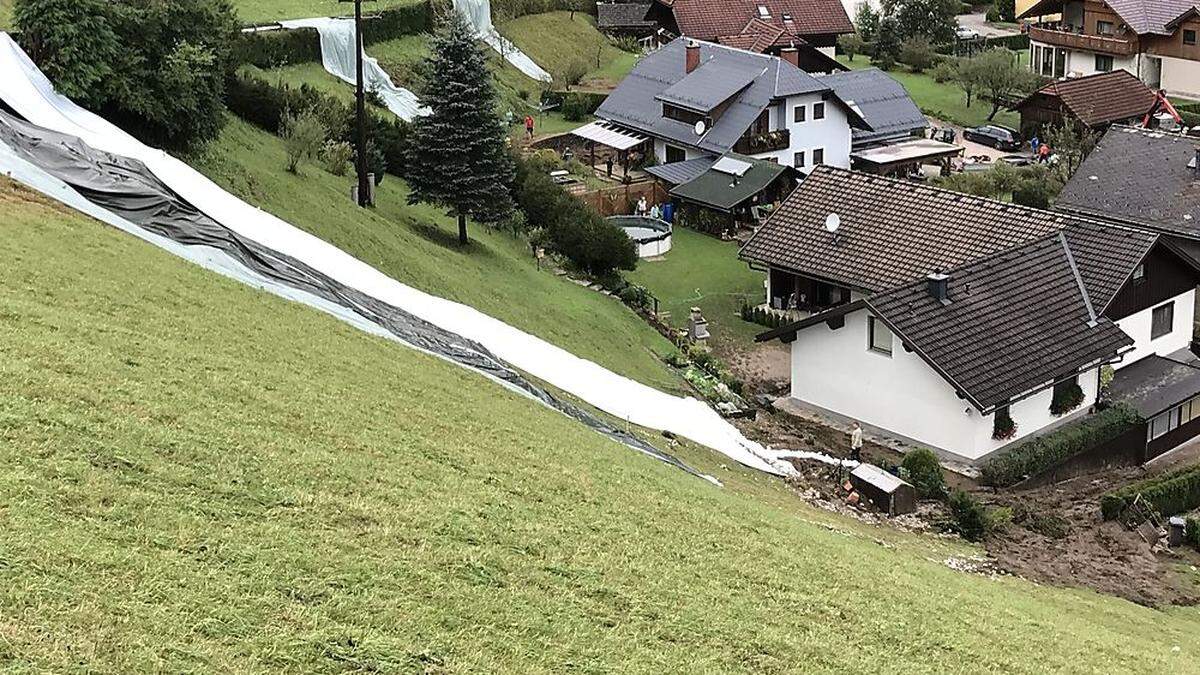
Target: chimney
x,y
937,283
791,55
693,56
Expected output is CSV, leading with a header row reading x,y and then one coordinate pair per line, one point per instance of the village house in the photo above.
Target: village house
x,y
1152,39
768,26
1092,102
965,324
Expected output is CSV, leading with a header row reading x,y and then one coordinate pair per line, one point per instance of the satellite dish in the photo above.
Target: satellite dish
x,y
700,128
832,223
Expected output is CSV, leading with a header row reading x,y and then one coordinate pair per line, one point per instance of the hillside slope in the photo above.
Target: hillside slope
x,y
199,476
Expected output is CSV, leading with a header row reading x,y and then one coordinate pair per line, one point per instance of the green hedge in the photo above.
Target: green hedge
x,y
270,49
1191,533
1054,448
1168,494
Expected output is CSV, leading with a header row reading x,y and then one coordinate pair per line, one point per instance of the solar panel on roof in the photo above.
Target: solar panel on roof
x,y
731,166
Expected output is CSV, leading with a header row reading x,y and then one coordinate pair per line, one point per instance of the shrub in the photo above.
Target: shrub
x,y
1066,399
574,108
394,22
271,49
1057,446
627,43
945,71
925,473
1168,494
676,360
573,72
917,54
851,44
1035,194
303,137
968,517
634,296
335,157
1191,532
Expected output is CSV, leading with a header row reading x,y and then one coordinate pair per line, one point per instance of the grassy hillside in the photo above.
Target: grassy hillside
x,y
415,244
202,477
555,39
6,7
265,11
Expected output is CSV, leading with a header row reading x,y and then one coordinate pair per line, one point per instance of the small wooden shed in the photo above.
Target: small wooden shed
x,y
886,492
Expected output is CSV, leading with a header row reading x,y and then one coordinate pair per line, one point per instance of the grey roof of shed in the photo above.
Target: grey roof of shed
x,y
622,15
883,102
1141,177
891,232
678,173
636,102
1156,383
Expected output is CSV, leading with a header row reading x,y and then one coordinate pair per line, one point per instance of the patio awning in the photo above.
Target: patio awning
x,y
906,152
606,133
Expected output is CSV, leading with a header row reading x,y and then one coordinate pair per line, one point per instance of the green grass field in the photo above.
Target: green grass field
x,y
414,244
554,40
266,11
703,271
201,477
944,101
6,7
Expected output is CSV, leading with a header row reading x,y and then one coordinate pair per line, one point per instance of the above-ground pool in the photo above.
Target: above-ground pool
x,y
652,235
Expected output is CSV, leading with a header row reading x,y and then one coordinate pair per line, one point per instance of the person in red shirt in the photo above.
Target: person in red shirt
x,y
1044,152
529,127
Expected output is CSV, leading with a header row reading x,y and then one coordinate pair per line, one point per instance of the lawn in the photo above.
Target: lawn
x,y
6,8
200,477
703,271
414,244
554,40
266,11
943,101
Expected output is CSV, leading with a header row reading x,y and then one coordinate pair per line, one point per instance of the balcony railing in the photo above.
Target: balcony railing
x,y
1092,43
753,144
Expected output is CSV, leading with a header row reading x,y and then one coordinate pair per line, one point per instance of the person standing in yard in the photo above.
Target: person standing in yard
x,y
1044,152
529,127
608,164
640,209
1034,144
856,442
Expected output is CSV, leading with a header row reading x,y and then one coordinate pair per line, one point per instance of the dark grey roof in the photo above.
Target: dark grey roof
x,y
678,173
710,85
1015,323
881,100
635,103
1106,256
622,15
1141,177
891,231
1155,384
721,191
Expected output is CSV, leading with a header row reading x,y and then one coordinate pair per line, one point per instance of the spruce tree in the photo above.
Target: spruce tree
x,y
458,158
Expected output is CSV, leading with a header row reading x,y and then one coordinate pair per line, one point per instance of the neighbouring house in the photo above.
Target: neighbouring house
x,y
624,18
718,197
769,26
1152,39
1093,101
959,323
695,99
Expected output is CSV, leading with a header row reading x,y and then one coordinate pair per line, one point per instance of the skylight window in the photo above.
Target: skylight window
x,y
787,18
763,12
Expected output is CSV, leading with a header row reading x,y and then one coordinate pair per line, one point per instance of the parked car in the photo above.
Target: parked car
x,y
1001,138
966,33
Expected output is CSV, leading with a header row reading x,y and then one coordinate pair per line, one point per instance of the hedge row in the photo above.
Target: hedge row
x,y
1168,494
270,49
1054,448
1191,533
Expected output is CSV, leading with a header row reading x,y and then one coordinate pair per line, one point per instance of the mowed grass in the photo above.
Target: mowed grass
x,y
554,40
266,11
703,271
201,477
945,101
496,274
6,16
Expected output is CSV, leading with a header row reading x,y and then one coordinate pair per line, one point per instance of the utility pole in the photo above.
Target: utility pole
x,y
364,185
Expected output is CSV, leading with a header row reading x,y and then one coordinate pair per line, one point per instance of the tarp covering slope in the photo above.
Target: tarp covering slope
x,y
337,55
478,13
27,91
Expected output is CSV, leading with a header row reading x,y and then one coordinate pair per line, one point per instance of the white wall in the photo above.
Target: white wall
x,y
1080,63
835,370
660,151
831,133
1181,77
1137,326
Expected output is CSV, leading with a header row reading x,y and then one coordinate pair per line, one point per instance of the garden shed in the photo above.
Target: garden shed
x,y
731,193
886,492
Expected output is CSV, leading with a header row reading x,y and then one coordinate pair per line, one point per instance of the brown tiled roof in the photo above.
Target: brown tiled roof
x,y
891,231
1102,98
714,19
1142,16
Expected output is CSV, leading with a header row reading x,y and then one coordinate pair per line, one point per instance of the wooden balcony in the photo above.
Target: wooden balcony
x,y
771,141
1092,43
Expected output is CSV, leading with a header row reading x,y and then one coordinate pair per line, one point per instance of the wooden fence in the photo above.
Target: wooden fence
x,y
621,200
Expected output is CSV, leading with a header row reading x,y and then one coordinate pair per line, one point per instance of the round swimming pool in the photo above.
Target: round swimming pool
x,y
652,235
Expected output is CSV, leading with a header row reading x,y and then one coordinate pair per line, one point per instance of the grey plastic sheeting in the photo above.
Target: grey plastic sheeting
x,y
125,189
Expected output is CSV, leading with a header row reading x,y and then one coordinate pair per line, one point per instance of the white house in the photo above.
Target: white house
x,y
958,323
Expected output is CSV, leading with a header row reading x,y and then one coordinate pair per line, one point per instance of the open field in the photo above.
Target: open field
x,y
266,11
554,40
6,7
944,101
202,477
416,245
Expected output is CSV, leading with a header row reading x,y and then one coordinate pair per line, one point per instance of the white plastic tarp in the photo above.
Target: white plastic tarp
x,y
27,91
478,13
337,55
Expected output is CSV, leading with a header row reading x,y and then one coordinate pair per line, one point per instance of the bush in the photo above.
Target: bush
x,y
925,473
574,108
1169,494
917,53
1057,446
968,517
1191,532
336,156
627,43
573,72
1034,194
634,296
397,22
676,360
851,44
1066,399
945,71
271,49
303,136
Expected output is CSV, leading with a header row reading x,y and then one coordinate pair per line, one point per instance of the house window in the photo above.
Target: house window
x,y
818,156
798,113
1139,273
674,112
879,336
1189,37
675,154
798,160
1104,28
1060,62
819,111
1161,320
1103,63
